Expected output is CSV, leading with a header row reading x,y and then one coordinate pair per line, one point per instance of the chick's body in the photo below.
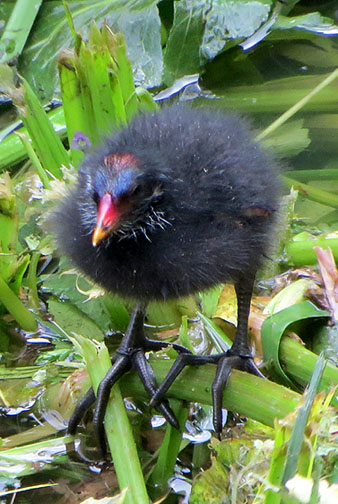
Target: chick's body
x,y
197,197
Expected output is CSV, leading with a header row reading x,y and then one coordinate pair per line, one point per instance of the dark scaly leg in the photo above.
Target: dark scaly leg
x,y
130,355
238,356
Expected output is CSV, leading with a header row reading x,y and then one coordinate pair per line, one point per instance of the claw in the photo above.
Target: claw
x,y
226,363
131,354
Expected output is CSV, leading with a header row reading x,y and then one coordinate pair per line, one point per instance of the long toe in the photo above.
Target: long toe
x,y
225,365
147,377
83,405
182,360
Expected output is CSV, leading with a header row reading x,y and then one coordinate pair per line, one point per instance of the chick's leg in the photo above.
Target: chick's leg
x,y
130,355
239,356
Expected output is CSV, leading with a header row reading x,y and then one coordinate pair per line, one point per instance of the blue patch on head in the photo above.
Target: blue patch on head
x,y
100,182
117,184
124,181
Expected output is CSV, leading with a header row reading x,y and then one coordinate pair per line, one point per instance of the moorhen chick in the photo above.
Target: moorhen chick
x,y
178,201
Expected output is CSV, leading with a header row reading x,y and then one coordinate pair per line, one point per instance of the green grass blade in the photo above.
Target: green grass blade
x,y
219,338
17,29
35,160
297,435
15,307
72,104
274,328
46,143
145,100
12,150
164,467
117,426
124,72
299,105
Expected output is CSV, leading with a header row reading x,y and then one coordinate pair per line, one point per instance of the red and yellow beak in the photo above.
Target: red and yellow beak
x,y
108,218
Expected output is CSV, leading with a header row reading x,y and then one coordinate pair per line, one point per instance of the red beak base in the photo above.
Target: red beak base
x,y
108,218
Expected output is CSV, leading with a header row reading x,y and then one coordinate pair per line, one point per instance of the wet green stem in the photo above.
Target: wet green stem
x,y
16,308
32,280
300,253
312,193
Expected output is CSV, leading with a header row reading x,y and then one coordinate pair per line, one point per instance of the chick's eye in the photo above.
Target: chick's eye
x,y
136,191
131,193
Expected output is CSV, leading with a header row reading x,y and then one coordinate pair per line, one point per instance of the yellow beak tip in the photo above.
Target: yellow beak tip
x,y
97,236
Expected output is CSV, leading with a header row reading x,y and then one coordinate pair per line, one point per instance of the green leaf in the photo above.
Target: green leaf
x,y
98,88
289,139
219,338
168,453
228,21
46,142
313,22
17,29
72,320
181,56
209,300
275,326
67,285
117,426
16,308
12,151
138,20
298,431
24,460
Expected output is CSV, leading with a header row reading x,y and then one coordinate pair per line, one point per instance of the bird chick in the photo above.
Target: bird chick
x,y
178,201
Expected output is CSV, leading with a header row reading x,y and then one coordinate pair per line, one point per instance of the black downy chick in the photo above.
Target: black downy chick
x,y
178,201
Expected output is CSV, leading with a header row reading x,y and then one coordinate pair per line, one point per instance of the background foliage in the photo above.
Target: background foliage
x,y
264,59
